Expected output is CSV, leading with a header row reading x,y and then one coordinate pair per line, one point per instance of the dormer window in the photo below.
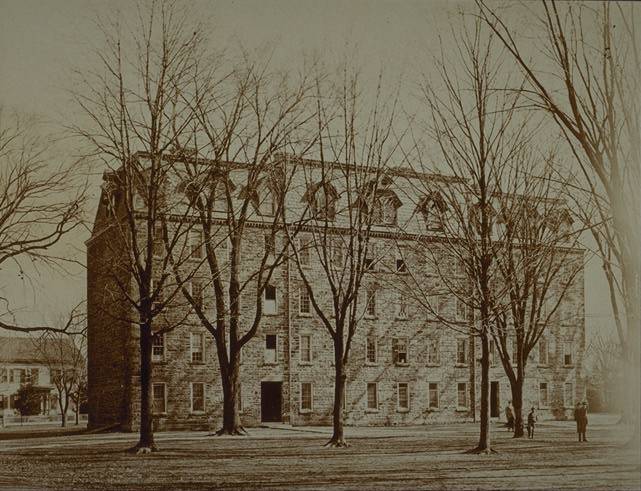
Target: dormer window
x,y
322,198
384,207
433,208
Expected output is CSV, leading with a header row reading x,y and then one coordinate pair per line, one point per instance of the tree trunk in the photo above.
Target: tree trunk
x,y
340,377
63,410
77,413
146,443
231,414
517,404
484,437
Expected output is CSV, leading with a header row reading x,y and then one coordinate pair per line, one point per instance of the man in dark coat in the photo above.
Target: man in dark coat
x,y
577,418
583,415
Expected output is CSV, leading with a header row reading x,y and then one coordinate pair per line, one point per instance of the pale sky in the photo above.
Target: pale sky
x,y
41,42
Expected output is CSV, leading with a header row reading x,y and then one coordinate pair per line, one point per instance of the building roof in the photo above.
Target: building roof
x,y
26,349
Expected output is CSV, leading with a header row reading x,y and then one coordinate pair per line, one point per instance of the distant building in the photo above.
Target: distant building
x,y
21,363
404,367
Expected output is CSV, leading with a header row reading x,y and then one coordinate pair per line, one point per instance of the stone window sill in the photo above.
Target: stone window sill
x,y
402,364
371,363
304,314
270,363
305,363
460,409
305,411
371,411
433,365
198,413
461,365
403,410
197,363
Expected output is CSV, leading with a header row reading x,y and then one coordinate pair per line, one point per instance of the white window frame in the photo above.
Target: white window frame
x,y
191,398
543,342
401,306
265,350
369,409
399,408
304,251
465,352
395,357
311,398
161,357
429,396
300,343
200,300
459,406
158,244
302,294
272,310
545,404
492,353
571,402
367,345
370,303
154,384
196,244
434,342
461,310
200,335
567,344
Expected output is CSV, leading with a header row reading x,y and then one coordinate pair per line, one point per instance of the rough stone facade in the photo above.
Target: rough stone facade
x,y
433,383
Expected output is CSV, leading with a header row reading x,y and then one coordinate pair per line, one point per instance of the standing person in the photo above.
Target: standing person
x,y
577,418
509,416
583,412
531,420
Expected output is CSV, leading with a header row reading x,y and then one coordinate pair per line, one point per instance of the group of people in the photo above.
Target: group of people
x,y
580,416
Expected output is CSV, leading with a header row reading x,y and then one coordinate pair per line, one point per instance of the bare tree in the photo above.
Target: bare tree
x,y
345,194
593,97
535,272
236,187
64,358
475,126
41,202
604,362
138,107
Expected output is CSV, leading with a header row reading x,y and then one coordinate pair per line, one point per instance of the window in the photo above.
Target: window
x,y
568,394
459,268
196,244
492,353
543,394
515,350
368,263
3,376
304,246
403,396
461,351
567,353
434,301
371,350
304,301
271,348
384,211
399,351
372,396
337,253
196,292
324,204
305,348
197,397
433,208
159,398
158,347
401,267
370,307
270,299
401,306
461,397
433,395
461,310
267,205
158,242
433,351
270,245
306,397
197,345
543,351
220,197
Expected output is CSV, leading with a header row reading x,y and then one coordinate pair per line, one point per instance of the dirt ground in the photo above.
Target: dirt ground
x,y
427,457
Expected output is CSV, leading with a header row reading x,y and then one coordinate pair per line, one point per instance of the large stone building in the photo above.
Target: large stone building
x,y
405,368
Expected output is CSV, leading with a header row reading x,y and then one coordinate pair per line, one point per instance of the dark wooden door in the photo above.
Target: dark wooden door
x,y
270,401
495,403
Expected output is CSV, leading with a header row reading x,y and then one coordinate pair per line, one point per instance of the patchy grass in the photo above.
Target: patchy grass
x,y
429,457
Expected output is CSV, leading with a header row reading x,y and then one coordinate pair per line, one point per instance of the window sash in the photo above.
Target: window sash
x,y
304,300
433,395
197,397
158,347
403,396
543,394
461,351
461,399
159,398
399,350
370,308
568,394
372,396
197,348
371,350
433,352
306,398
306,348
